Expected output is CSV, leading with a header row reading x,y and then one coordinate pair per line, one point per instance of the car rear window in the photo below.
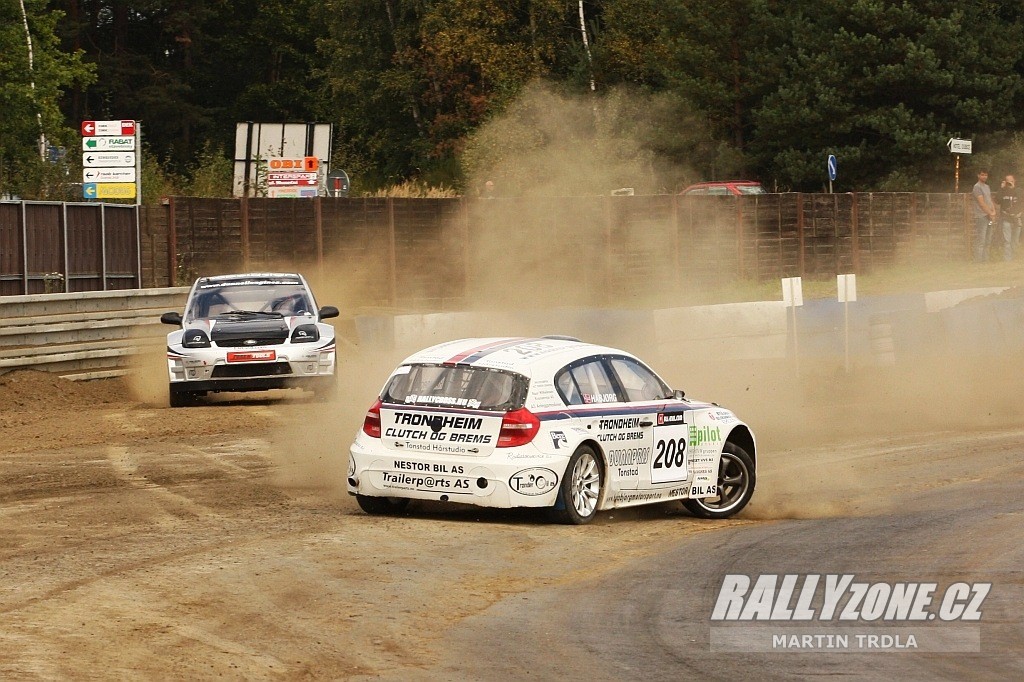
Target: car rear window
x,y
475,388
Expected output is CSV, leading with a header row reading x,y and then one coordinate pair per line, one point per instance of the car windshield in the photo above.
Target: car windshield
x,y
250,297
751,189
475,388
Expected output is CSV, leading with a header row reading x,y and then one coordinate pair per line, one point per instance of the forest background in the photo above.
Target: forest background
x,y
434,97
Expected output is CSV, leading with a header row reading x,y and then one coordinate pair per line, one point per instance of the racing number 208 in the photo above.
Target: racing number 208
x,y
670,453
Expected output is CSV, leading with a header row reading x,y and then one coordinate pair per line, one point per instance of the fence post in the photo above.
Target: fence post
x,y
243,213
103,244
172,244
64,242
675,242
318,218
24,248
800,232
855,231
138,246
392,265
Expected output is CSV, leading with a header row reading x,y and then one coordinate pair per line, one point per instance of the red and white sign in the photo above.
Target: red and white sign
x,y
252,356
291,179
91,128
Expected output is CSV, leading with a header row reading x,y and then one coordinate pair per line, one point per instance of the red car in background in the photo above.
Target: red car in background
x,y
726,187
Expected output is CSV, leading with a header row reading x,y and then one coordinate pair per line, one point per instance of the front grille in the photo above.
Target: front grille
x,y
249,341
251,369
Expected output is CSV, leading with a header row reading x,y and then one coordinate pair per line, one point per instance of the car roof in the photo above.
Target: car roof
x,y
252,277
525,355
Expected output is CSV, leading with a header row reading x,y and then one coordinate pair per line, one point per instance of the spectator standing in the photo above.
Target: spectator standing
x,y
984,217
1009,201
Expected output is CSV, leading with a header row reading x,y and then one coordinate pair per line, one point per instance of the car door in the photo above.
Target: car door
x,y
668,462
604,412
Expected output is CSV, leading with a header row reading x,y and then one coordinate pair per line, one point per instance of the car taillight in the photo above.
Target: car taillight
x,y
371,425
518,428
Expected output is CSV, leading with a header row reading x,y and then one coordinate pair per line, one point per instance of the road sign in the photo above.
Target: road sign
x,y
91,128
108,159
832,167
108,175
959,146
115,142
296,179
108,190
337,183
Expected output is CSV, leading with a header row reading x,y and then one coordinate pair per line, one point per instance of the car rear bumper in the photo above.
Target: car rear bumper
x,y
498,480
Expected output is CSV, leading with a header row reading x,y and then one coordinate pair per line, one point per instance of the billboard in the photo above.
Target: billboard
x,y
286,150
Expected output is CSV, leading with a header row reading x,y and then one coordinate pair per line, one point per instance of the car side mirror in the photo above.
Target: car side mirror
x,y
678,394
328,311
171,318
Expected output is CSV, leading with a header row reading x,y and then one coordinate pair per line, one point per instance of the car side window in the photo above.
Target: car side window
x,y
594,383
567,388
637,381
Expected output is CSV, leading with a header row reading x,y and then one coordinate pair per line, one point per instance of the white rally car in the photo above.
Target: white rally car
x,y
249,332
546,422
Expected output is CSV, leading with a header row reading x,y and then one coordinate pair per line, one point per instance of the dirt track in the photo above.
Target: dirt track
x,y
141,541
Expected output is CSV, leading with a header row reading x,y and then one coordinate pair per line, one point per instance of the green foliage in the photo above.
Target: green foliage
x,y
30,97
441,92
211,175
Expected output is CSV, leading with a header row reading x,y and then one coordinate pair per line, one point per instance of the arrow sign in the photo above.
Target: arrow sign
x,y
90,128
118,142
108,175
959,146
107,159
89,190
832,167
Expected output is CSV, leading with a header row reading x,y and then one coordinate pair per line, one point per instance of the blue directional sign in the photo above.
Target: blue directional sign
x,y
89,190
831,167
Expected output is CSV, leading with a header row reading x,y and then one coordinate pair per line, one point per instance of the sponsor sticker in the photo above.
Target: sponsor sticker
x,y
252,356
536,481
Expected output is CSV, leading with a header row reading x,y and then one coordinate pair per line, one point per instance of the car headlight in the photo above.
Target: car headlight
x,y
195,338
305,333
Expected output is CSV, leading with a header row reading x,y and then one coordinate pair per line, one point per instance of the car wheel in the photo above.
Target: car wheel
x,y
181,398
382,505
580,491
736,479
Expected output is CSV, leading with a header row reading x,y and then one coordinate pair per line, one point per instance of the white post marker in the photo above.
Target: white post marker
x,y
847,288
793,296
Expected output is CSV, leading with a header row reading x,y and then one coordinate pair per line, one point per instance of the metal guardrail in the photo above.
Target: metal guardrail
x,y
88,335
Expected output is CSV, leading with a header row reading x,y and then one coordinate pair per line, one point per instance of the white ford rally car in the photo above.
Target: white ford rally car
x,y
546,422
249,332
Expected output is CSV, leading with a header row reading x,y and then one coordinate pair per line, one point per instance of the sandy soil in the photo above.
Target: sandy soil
x,y
141,541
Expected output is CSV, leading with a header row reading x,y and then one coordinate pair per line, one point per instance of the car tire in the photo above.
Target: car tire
x,y
379,506
736,480
580,491
181,398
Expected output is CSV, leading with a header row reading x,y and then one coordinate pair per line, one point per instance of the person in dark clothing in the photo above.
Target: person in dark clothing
x,y
1009,200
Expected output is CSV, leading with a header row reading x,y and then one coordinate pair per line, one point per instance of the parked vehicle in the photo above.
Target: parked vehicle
x,y
726,187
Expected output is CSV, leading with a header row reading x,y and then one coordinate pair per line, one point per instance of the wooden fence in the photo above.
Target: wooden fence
x,y
442,252
67,247
438,251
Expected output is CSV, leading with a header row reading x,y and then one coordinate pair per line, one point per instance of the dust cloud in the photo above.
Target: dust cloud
x,y
531,274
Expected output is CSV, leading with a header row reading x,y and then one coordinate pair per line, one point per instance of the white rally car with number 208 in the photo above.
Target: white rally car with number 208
x,y
546,422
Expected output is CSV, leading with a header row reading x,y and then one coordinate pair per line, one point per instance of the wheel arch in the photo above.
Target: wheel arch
x,y
603,462
742,436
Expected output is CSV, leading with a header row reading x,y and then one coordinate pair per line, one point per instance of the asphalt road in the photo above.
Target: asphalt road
x,y
953,513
